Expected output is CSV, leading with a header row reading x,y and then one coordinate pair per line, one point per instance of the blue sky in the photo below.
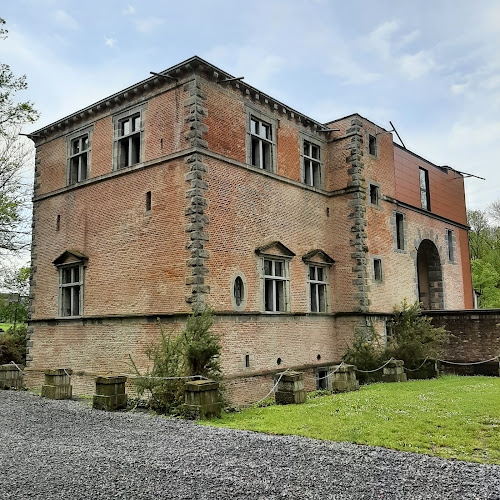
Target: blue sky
x,y
432,68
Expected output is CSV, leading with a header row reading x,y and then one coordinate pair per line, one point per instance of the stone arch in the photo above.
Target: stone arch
x,y
429,276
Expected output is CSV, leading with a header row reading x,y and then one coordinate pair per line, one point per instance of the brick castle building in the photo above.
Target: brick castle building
x,y
192,187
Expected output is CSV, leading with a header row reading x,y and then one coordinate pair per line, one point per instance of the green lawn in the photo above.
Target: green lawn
x,y
451,417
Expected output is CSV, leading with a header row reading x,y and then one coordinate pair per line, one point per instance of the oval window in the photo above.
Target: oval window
x,y
238,291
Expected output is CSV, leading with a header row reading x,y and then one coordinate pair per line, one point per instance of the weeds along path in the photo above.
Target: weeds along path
x,y
64,449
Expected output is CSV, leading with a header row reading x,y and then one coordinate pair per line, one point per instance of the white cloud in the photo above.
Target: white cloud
x,y
459,88
417,65
128,11
64,19
109,42
410,37
379,40
147,25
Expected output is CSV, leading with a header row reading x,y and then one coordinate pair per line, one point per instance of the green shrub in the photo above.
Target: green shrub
x,y
413,337
13,345
195,351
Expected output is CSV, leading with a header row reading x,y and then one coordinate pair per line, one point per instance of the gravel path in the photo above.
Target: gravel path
x,y
64,449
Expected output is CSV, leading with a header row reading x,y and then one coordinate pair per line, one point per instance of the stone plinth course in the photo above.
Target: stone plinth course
x,y
201,399
290,388
394,371
110,393
11,377
57,384
343,378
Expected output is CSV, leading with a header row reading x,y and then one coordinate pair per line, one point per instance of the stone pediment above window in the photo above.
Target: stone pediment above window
x,y
275,249
70,257
317,256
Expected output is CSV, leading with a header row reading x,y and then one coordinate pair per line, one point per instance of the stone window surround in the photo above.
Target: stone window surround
x,y
117,119
274,123
87,130
60,269
285,259
303,136
381,258
453,260
243,303
393,221
369,183
375,136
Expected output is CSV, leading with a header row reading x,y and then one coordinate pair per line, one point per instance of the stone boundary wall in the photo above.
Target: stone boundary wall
x,y
476,337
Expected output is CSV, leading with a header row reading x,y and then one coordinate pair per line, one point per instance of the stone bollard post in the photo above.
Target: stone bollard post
x,y
57,384
394,371
11,377
290,389
201,399
109,393
343,378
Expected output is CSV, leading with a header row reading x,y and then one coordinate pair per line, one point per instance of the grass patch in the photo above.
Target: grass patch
x,y
450,417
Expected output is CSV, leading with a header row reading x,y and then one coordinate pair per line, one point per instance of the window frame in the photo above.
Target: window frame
x,y
70,156
304,159
70,285
397,230
256,115
451,246
380,259
285,279
425,189
325,283
119,138
376,185
376,144
243,303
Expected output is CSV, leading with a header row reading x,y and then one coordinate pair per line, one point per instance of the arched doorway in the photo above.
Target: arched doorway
x,y
430,276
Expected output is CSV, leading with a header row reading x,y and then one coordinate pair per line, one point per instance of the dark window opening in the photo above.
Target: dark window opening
x,y
278,361
425,199
70,290
129,145
317,288
374,194
312,165
451,249
148,201
261,155
322,380
274,285
247,360
400,231
318,357
78,160
238,290
327,212
377,269
58,223
372,145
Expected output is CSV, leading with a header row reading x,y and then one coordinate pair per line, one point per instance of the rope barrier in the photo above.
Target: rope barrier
x,y
416,369
197,377
467,364
268,394
66,373
376,369
12,362
329,374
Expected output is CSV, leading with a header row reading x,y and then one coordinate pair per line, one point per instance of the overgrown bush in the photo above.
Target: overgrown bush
x,y
195,351
411,337
13,345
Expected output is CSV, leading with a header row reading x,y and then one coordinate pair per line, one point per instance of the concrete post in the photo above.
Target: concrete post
x,y
343,378
394,371
109,393
11,377
290,389
201,399
57,384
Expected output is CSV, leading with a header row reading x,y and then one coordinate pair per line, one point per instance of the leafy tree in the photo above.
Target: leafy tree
x,y
14,156
485,280
15,309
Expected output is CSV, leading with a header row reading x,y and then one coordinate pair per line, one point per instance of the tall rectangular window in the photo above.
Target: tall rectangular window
x,y
70,290
317,288
450,243
128,138
425,200
378,276
372,145
400,235
262,140
275,285
78,159
312,164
